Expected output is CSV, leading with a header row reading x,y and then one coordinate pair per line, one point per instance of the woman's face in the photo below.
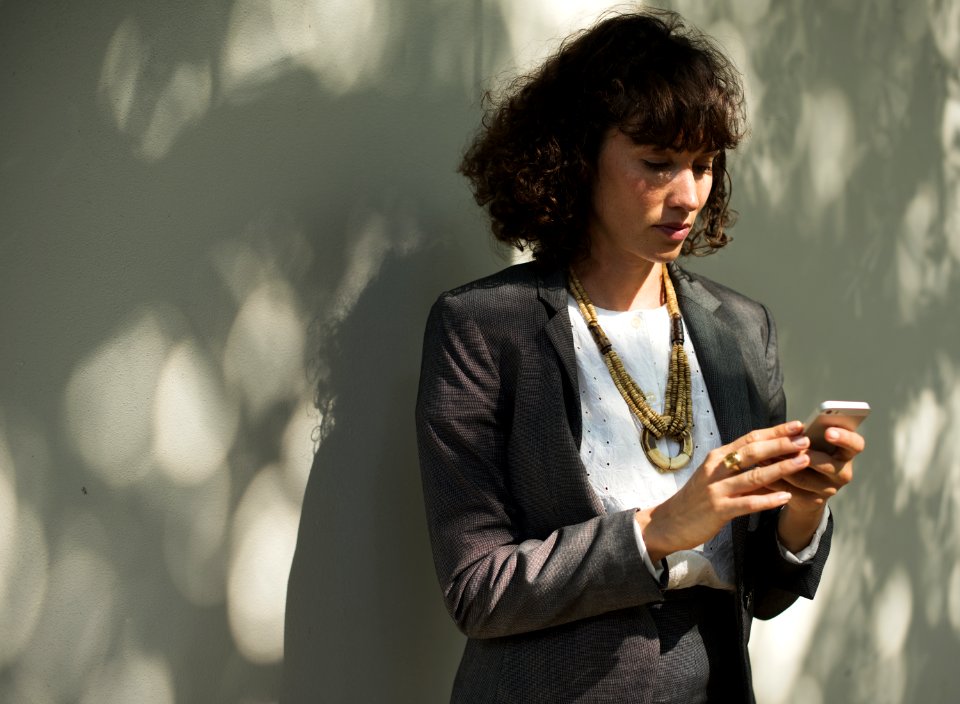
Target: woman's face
x,y
645,200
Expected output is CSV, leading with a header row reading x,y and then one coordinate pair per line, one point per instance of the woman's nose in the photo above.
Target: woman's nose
x,y
684,192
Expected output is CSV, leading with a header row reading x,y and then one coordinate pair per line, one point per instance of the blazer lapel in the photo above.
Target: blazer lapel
x,y
724,374
720,358
552,291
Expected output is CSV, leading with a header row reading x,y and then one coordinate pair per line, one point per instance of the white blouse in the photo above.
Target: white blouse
x,y
619,470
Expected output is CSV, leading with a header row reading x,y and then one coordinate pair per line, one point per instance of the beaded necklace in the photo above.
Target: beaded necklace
x,y
676,422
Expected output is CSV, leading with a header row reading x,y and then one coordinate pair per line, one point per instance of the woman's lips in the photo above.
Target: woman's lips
x,y
676,231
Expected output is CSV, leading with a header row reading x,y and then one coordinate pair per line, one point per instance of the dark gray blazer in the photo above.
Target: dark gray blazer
x,y
548,587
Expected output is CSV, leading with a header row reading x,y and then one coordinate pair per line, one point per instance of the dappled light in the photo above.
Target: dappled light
x,y
24,580
216,214
342,41
922,278
927,462
729,35
944,18
159,116
917,434
264,352
253,53
536,27
267,38
122,65
950,138
195,539
827,124
848,183
78,620
746,13
263,534
781,647
8,513
133,676
108,400
184,101
953,597
366,254
892,615
23,561
194,419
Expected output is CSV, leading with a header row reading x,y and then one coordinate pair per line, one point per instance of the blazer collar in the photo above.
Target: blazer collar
x,y
552,291
552,288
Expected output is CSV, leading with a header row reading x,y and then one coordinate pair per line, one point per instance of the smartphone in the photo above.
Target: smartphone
x,y
833,414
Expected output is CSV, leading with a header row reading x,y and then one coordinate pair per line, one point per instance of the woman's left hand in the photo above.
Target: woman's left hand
x,y
812,488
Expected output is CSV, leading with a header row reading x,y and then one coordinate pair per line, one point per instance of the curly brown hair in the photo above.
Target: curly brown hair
x,y
532,163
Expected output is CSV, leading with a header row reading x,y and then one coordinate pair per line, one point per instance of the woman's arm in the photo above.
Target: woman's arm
x,y
778,581
495,580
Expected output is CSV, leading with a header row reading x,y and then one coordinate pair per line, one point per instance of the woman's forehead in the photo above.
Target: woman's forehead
x,y
670,148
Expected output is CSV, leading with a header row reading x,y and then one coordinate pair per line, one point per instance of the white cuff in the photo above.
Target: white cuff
x,y
656,571
808,552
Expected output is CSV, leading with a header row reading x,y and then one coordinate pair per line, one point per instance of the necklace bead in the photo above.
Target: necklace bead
x,y
676,422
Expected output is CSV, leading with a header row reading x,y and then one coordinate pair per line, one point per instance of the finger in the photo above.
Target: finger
x,y
765,452
787,429
848,443
807,497
833,476
835,469
751,479
754,503
812,483
779,485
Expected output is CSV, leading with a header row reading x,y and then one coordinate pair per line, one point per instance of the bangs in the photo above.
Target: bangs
x,y
683,100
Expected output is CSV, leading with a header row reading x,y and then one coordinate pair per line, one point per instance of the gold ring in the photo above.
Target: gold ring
x,y
732,461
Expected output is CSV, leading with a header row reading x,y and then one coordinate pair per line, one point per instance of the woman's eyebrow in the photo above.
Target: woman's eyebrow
x,y
672,152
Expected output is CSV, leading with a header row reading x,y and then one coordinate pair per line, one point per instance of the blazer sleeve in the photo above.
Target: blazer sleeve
x,y
778,582
496,581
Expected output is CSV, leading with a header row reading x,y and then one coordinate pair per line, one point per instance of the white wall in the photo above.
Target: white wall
x,y
206,205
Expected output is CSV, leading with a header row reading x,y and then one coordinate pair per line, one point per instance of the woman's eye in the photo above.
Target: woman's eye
x,y
703,168
658,166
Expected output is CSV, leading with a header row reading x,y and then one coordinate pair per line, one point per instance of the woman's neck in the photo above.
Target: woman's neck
x,y
622,287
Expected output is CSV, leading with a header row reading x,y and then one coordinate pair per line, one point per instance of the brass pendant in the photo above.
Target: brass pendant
x,y
660,460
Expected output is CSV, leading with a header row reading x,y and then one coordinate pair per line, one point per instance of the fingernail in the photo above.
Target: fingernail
x,y
784,497
800,440
794,426
800,460
833,434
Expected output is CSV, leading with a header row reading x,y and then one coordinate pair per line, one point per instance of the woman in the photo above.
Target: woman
x,y
611,490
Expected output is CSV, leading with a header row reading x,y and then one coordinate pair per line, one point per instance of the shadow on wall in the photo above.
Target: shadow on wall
x,y
184,189
850,193
195,188
364,617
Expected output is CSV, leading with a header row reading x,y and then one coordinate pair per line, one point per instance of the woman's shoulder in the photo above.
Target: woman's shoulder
x,y
710,292
509,291
518,276
505,308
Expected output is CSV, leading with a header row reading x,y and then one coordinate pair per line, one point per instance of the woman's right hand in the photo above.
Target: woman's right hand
x,y
716,494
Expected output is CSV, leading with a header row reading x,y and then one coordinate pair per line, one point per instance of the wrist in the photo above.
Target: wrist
x,y
796,528
656,549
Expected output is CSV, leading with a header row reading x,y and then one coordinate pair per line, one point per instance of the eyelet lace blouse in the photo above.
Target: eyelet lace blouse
x,y
619,470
